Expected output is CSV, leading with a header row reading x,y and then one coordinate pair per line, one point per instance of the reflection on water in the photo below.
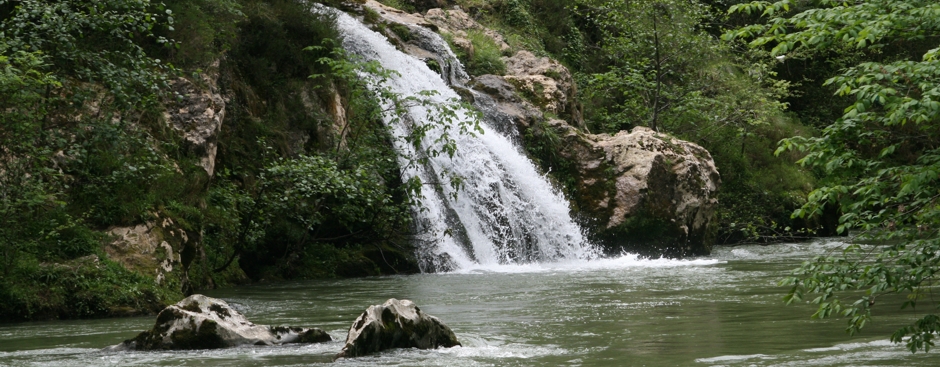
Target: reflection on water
x,y
723,310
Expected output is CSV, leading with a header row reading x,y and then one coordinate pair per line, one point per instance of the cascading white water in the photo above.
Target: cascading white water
x,y
506,212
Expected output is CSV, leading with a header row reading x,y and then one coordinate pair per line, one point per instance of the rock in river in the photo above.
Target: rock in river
x,y
653,193
200,322
396,324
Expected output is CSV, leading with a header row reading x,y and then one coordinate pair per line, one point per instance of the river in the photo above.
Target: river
x,y
721,310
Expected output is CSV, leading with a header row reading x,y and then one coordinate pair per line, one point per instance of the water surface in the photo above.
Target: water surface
x,y
721,310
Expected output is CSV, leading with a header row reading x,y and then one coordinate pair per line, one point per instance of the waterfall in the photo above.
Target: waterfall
x,y
506,212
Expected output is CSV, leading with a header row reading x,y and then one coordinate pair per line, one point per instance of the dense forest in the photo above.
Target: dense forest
x,y
819,115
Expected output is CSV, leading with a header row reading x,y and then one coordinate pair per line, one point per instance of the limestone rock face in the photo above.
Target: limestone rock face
x,y
457,22
396,324
547,83
159,248
198,113
648,190
200,322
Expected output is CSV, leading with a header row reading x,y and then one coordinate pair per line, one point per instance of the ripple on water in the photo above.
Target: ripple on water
x,y
878,352
718,311
625,261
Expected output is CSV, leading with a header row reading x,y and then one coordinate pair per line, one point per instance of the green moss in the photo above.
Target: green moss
x,y
192,307
205,337
543,145
486,55
219,310
401,30
433,65
314,336
370,16
400,4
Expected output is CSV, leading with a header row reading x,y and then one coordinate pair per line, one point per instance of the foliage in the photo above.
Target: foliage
x,y
307,210
96,42
544,27
202,31
84,287
401,5
654,47
880,158
75,86
660,67
485,58
727,98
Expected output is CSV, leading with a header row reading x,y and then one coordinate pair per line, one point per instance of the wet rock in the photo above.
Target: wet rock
x,y
200,322
454,22
649,192
496,86
396,324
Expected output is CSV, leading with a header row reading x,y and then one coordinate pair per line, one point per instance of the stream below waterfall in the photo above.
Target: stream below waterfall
x,y
721,310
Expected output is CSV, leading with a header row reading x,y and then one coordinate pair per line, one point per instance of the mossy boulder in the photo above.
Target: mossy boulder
x,y
396,324
200,322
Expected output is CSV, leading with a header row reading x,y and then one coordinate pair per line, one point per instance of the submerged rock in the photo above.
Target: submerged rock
x,y
396,324
200,322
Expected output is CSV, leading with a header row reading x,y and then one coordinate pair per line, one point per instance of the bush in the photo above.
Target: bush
x,y
486,56
80,288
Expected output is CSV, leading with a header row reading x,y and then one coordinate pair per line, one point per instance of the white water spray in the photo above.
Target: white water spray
x,y
506,212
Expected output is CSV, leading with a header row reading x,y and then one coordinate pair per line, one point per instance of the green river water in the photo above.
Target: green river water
x,y
721,310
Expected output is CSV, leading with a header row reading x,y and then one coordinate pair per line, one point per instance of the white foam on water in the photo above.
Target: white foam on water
x,y
854,346
733,358
625,261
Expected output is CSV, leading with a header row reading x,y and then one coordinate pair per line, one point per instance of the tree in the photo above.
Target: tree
x,y
880,160
664,71
651,47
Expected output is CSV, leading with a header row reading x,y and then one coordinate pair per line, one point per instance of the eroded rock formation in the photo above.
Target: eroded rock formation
x,y
197,113
159,248
649,192
396,324
200,322
546,83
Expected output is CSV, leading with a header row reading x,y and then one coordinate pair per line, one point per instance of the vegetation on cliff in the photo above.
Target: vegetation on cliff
x,y
86,148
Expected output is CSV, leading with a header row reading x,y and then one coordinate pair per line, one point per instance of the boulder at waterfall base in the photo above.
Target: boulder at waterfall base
x,y
647,192
200,322
396,324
